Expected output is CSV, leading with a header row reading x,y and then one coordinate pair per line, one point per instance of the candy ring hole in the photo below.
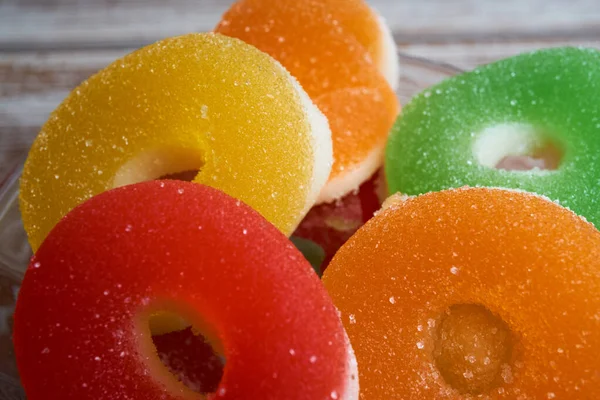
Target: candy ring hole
x,y
472,349
165,163
517,147
185,357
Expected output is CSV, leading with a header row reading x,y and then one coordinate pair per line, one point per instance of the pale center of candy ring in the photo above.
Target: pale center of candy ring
x,y
167,360
516,147
472,348
170,163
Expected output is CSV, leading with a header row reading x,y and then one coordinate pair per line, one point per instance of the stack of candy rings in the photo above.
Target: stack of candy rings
x,y
461,131
339,50
201,102
192,250
459,294
472,292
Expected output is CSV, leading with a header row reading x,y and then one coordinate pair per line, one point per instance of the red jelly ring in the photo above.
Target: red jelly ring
x,y
81,322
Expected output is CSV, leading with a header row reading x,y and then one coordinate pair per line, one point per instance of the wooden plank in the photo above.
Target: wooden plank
x,y
34,83
53,73
24,73
89,24
86,24
10,158
469,55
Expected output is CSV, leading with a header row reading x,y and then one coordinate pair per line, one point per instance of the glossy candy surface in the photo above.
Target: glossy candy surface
x,y
472,292
81,322
199,102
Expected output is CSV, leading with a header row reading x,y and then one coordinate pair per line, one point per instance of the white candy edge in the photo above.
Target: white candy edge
x,y
389,64
321,143
351,389
322,147
350,181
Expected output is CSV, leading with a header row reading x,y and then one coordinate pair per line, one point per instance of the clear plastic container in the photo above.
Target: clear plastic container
x,y
416,75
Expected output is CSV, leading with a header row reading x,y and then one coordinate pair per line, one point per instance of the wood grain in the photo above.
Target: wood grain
x,y
47,47
85,24
469,55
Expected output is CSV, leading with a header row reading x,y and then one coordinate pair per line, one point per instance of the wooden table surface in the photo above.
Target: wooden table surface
x,y
47,47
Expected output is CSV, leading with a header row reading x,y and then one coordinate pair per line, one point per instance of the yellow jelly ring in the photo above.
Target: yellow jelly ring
x,y
199,102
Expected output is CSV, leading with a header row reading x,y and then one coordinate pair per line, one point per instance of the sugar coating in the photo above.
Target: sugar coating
x,y
81,328
322,148
507,280
434,144
196,102
390,60
349,108
357,18
329,47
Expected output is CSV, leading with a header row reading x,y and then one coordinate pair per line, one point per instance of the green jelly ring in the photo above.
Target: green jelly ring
x,y
438,140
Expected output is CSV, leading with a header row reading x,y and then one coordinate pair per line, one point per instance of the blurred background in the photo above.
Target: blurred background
x,y
47,47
